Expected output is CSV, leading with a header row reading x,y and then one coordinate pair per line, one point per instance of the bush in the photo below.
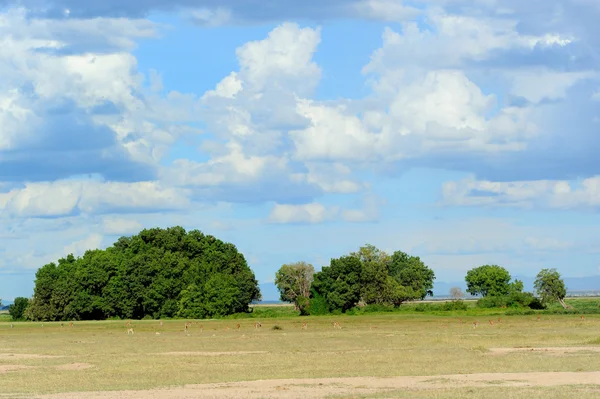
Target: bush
x,y
317,305
515,299
17,309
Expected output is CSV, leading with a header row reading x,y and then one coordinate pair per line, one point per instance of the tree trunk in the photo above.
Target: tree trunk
x,y
562,302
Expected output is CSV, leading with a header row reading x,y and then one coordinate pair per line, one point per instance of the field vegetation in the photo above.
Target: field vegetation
x,y
51,357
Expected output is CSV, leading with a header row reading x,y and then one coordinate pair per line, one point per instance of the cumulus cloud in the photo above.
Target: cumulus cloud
x,y
67,197
554,194
120,226
86,106
307,213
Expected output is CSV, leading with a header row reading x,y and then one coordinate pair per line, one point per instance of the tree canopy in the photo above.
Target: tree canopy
x,y
293,282
372,276
550,287
17,309
157,273
492,280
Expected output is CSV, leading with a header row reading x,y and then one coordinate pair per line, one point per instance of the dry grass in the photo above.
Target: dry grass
x,y
103,357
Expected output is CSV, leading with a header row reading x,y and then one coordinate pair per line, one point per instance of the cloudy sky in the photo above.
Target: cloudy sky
x,y
463,131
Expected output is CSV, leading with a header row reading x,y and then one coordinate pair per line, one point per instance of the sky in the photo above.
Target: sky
x,y
465,132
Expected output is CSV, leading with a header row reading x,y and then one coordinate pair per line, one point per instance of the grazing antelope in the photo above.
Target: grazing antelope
x,y
201,328
186,328
71,324
582,317
491,322
499,320
538,318
336,325
237,326
257,325
130,330
475,324
304,325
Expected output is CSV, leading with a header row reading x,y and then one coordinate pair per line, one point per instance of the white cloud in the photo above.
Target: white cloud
x,y
63,197
307,213
557,194
78,248
120,226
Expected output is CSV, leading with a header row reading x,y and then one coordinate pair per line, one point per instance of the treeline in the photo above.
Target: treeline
x,y
159,273
372,279
367,277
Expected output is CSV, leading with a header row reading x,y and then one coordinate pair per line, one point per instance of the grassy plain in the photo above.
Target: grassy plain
x,y
100,356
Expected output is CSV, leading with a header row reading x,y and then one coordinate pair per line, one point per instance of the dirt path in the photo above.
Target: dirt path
x,y
325,387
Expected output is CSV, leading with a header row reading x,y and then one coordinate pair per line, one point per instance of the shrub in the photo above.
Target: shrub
x,y
317,305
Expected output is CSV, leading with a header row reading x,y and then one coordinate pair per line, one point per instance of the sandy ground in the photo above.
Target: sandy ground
x,y
550,350
326,387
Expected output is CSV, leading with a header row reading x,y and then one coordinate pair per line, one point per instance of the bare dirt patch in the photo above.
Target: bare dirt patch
x,y
19,356
74,366
210,353
549,350
326,387
5,368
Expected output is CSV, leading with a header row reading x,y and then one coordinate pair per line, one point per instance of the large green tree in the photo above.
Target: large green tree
x,y
155,273
492,280
371,276
293,282
550,287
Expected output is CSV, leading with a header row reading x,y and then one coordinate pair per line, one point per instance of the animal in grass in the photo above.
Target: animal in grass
x,y
237,326
257,325
336,325
475,324
130,331
491,322
304,325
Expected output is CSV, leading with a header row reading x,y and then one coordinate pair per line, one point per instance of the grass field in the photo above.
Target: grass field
x,y
432,352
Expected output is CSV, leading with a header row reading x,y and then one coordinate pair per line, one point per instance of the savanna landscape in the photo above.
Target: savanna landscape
x,y
380,355
329,199
169,313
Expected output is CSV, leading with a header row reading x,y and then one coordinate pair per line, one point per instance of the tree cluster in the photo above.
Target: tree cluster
x,y
493,283
158,273
368,276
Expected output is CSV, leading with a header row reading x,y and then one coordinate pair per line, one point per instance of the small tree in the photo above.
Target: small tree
x,y
17,309
456,293
489,280
550,287
293,282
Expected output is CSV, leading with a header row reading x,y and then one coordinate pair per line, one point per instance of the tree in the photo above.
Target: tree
x,y
373,277
410,272
489,280
17,309
456,293
156,273
339,283
293,282
550,287
374,274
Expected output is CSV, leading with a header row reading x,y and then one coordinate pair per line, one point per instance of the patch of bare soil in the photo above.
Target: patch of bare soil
x,y
209,353
327,387
5,368
549,350
18,356
74,366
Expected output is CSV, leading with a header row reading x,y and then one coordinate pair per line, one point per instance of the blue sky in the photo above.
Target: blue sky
x,y
464,132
